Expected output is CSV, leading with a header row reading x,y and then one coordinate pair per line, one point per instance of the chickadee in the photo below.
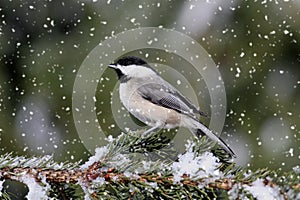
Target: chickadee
x,y
154,101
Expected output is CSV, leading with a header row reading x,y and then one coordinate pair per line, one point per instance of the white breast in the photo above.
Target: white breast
x,y
147,112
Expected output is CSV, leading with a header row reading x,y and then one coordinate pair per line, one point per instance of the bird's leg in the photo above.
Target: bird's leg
x,y
151,130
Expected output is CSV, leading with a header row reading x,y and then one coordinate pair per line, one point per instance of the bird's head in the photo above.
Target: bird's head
x,y
132,67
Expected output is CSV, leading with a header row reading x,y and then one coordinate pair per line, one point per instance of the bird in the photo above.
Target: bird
x,y
155,102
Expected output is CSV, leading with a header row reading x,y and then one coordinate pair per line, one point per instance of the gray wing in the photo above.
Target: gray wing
x,y
168,97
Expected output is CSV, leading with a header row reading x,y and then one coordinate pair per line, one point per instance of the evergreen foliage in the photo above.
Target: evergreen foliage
x,y
132,166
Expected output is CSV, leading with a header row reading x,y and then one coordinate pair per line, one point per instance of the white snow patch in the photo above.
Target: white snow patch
x,y
1,187
36,191
296,169
99,180
127,174
260,191
153,184
204,165
100,154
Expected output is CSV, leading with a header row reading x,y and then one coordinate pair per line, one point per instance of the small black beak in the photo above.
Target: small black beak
x,y
114,66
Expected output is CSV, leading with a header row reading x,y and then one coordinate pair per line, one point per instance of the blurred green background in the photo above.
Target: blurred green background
x,y
254,43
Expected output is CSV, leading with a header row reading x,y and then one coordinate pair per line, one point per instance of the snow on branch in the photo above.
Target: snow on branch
x,y
121,170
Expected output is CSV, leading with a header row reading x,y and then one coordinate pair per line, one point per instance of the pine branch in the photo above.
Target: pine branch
x,y
121,171
111,176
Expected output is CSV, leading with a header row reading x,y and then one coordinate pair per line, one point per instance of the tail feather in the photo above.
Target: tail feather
x,y
203,129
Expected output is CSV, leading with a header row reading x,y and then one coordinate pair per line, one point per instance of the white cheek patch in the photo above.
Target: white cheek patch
x,y
122,68
137,71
